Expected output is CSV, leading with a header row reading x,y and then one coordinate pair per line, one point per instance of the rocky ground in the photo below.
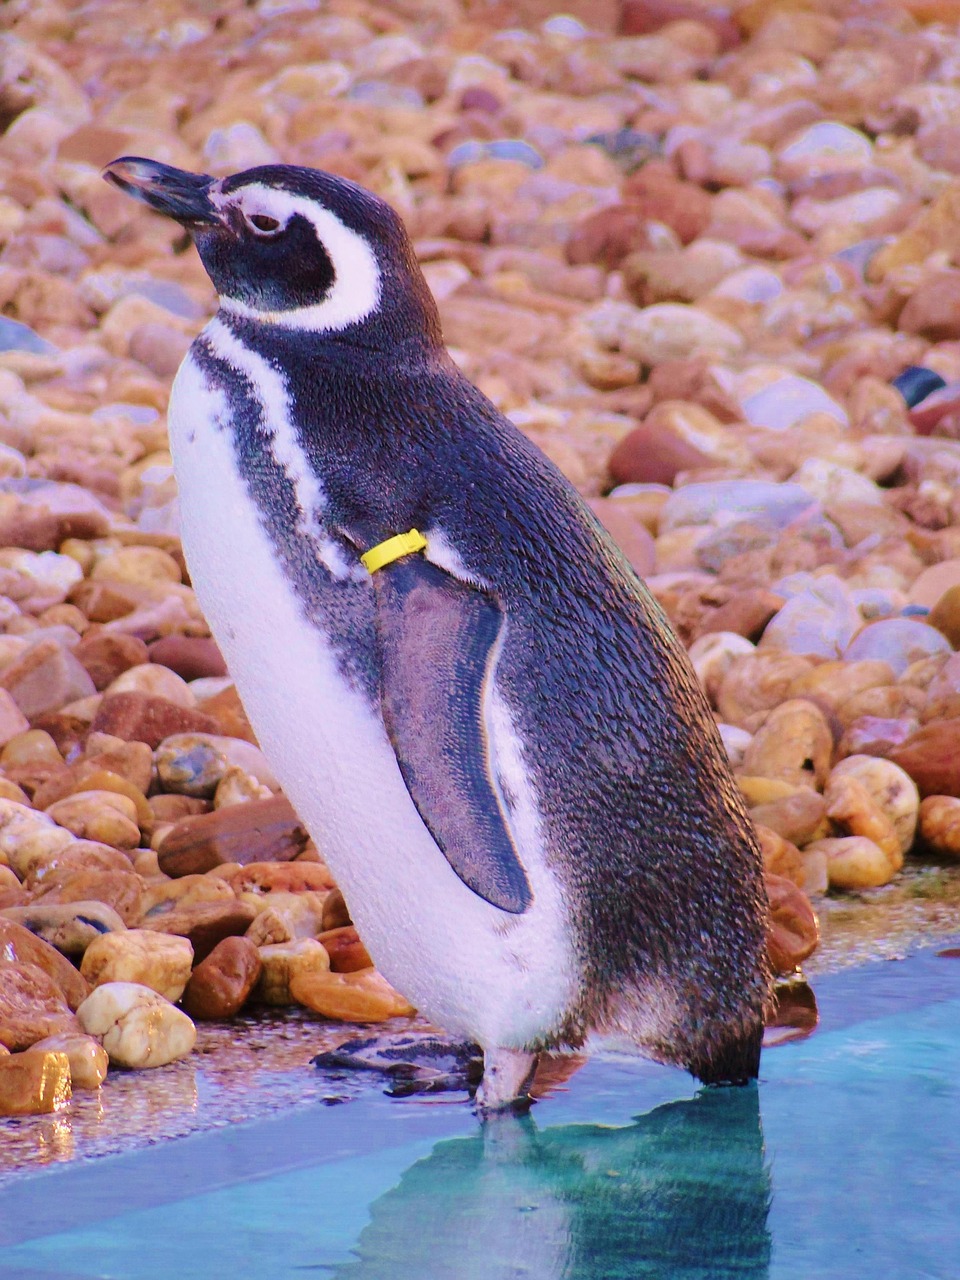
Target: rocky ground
x,y
704,254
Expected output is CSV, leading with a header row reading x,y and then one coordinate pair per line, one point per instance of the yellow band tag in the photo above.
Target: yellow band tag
x,y
384,553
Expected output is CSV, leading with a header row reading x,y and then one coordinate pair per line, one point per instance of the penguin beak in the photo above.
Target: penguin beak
x,y
183,196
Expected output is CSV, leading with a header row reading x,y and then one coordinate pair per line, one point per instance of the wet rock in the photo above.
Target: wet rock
x,y
262,831
87,1058
20,945
34,1083
32,1006
364,996
144,718
70,927
793,931
220,984
137,1027
159,961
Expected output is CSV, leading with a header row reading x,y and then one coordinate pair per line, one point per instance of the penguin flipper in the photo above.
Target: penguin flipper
x,y
438,640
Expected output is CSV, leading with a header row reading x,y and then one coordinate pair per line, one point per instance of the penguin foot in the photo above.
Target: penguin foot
x,y
507,1076
414,1062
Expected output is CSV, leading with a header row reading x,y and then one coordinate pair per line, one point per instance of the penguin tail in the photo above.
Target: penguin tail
x,y
734,1059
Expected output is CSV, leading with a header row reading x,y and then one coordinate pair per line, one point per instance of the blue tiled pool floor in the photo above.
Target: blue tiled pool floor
x,y
844,1162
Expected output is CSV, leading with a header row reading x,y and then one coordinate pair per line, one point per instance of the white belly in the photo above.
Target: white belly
x,y
501,979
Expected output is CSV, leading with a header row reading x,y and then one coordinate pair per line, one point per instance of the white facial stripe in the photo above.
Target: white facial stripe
x,y
270,389
355,292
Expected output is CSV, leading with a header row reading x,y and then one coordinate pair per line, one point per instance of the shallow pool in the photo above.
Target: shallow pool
x,y
844,1162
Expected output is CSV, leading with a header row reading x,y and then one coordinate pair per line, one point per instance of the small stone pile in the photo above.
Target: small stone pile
x,y
704,252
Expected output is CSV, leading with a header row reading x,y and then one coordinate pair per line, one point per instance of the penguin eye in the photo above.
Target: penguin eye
x,y
264,224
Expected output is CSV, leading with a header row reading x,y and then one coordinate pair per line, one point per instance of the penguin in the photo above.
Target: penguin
x,y
476,707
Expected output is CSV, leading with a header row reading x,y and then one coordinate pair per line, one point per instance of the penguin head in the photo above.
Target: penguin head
x,y
295,248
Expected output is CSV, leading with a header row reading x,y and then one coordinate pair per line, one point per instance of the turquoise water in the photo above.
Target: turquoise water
x,y
843,1162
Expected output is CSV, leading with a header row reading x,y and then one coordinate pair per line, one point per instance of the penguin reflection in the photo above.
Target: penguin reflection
x,y
681,1194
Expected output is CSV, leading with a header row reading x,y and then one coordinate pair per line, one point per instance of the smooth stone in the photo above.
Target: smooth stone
x,y
628,531
156,681
12,719
203,924
28,837
793,931
853,811
785,402
42,514
829,482
144,718
898,641
929,587
32,1006
121,890
19,944
220,984
107,654
87,1058
875,735
189,764
748,614
34,1083
826,147
855,862
821,623
345,949
15,336
70,927
797,817
711,655
287,916
191,657
722,501
106,817
891,788
794,744
261,831
259,879
673,331
945,615
159,961
46,677
934,408
916,383
940,825
284,961
364,996
757,682
735,742
137,1027
931,756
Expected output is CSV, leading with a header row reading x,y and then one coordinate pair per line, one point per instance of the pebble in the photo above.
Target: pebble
x,y
159,961
87,1058
34,1083
793,931
940,825
220,985
897,641
137,1027
284,961
364,996
32,1005
261,831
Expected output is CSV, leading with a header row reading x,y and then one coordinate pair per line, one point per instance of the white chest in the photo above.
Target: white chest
x,y
502,979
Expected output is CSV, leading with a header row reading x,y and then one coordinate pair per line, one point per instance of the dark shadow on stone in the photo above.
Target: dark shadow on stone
x,y
681,1194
